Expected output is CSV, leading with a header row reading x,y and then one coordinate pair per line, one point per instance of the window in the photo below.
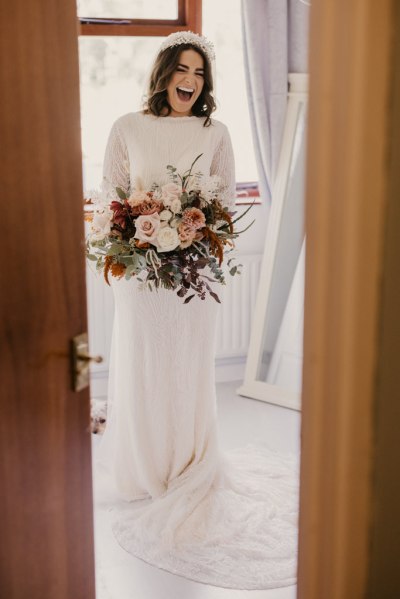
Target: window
x,y
138,17
222,24
114,68
141,9
113,74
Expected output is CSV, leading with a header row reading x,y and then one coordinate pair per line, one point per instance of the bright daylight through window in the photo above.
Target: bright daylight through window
x,y
133,9
113,71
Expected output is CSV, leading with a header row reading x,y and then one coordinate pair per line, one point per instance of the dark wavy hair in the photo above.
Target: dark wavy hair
x,y
156,101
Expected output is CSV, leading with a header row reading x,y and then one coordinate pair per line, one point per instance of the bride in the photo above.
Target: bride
x,y
180,502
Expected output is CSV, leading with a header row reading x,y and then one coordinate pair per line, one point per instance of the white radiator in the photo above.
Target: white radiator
x,y
233,334
238,305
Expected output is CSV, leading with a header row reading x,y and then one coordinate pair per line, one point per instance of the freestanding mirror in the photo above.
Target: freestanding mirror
x,y
274,361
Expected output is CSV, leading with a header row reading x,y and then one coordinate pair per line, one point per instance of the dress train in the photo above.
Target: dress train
x,y
179,502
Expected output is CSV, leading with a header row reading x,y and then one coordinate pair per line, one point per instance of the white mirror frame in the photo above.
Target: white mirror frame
x,y
251,387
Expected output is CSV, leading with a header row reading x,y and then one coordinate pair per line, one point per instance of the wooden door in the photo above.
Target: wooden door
x,y
46,547
349,536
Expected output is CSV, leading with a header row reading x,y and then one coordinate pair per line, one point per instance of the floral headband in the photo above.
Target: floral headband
x,y
188,37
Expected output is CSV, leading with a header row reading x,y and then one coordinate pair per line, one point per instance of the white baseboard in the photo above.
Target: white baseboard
x,y
230,369
98,384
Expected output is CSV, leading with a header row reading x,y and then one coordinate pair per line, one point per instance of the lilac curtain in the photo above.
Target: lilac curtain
x,y
275,42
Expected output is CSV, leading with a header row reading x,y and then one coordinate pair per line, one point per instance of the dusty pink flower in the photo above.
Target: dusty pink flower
x,y
149,206
186,232
194,217
147,227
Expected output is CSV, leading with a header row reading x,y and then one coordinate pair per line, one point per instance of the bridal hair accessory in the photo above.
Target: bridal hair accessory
x,y
188,37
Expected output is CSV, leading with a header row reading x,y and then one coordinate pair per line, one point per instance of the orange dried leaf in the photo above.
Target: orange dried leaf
x,y
141,244
107,266
117,269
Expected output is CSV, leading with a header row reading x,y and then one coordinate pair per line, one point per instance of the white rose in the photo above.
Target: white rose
x,y
165,214
176,206
175,222
170,192
167,239
101,224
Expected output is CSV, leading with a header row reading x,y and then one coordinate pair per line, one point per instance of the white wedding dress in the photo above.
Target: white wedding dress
x,y
179,501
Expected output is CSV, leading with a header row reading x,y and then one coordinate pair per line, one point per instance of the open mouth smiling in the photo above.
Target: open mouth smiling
x,y
185,93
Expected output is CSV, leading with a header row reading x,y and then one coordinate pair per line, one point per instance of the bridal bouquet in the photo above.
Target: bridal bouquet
x,y
167,234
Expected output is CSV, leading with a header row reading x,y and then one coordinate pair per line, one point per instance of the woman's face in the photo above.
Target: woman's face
x,y
186,83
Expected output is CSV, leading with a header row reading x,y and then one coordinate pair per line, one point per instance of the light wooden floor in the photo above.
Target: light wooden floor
x,y
241,421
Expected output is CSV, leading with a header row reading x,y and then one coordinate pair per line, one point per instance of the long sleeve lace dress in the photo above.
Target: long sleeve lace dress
x,y
180,502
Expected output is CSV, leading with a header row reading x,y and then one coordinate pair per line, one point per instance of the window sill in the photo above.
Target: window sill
x,y
247,193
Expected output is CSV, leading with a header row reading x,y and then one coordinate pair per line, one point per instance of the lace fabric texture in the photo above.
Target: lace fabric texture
x,y
241,534
179,501
140,147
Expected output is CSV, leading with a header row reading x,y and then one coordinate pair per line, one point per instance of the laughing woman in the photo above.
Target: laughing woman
x,y
184,505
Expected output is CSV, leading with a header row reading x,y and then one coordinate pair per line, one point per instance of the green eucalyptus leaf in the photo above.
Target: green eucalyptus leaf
x,y
243,230
130,270
215,296
121,193
114,250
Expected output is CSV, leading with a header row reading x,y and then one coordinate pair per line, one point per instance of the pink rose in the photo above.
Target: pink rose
x,y
147,227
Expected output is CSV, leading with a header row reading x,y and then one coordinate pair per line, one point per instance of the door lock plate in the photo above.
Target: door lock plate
x,y
80,361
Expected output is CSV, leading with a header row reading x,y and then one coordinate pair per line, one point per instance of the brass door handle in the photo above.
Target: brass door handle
x,y
87,358
80,362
